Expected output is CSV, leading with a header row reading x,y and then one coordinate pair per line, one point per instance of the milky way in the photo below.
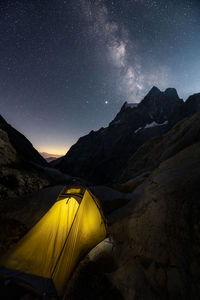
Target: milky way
x,y
68,66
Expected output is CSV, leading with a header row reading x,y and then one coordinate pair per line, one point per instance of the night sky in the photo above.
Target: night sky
x,y
66,67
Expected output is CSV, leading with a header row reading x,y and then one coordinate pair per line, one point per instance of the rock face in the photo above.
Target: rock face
x,y
99,156
17,177
158,149
158,242
22,169
7,152
190,107
21,144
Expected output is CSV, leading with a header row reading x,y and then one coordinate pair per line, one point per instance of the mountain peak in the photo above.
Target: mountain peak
x,y
154,91
172,92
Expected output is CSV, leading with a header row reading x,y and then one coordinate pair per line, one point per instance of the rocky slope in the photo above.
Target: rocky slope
x,y
16,176
99,156
158,149
22,169
157,244
21,144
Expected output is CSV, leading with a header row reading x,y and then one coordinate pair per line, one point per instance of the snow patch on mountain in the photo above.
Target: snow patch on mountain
x,y
154,124
138,129
150,125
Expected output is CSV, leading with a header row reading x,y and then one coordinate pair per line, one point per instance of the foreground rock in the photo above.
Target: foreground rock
x,y
90,280
158,244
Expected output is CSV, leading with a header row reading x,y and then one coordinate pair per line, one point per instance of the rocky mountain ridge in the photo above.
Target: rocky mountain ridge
x,y
157,150
23,146
100,156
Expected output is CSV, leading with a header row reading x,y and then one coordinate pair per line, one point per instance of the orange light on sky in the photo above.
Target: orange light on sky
x,y
58,151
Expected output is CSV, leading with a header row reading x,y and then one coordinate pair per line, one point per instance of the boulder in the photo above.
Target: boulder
x,y
157,244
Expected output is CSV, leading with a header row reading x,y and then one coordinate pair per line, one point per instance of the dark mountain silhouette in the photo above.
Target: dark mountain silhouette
x,y
101,155
49,157
21,144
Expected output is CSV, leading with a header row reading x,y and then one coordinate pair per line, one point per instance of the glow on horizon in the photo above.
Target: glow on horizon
x,y
57,151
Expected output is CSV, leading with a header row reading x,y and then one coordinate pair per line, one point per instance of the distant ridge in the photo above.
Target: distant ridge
x,y
49,157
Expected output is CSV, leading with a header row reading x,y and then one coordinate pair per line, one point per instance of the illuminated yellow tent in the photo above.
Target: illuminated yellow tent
x,y
46,256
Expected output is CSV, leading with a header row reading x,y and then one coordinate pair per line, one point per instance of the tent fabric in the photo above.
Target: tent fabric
x,y
38,284
49,252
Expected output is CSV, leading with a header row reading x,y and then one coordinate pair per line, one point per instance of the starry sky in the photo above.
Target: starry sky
x,y
67,66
